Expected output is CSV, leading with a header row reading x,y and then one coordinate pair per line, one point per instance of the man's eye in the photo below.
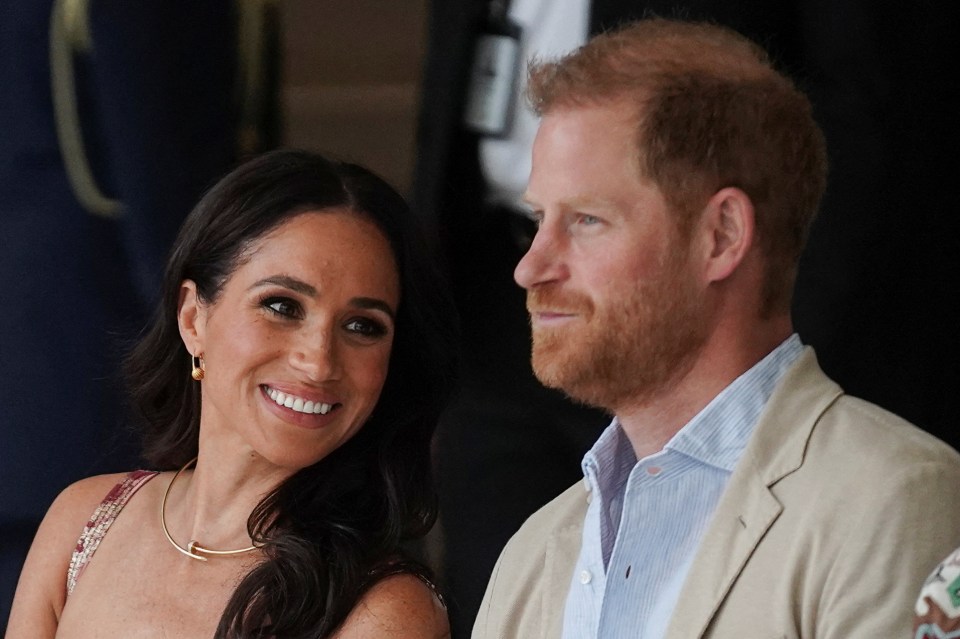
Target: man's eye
x,y
588,220
283,306
534,216
366,327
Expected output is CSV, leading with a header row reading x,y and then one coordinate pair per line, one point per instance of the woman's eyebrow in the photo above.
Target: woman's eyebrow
x,y
298,286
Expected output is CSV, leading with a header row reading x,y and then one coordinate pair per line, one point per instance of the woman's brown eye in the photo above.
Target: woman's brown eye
x,y
283,306
366,327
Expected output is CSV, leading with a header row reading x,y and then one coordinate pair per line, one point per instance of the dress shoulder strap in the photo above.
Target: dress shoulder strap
x,y
403,567
101,520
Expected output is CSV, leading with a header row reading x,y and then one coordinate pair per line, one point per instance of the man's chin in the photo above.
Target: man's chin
x,y
553,370
577,375
547,367
579,391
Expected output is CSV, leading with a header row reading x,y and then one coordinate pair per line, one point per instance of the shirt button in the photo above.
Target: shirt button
x,y
585,577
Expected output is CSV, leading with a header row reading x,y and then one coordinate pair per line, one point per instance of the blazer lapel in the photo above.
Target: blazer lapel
x,y
748,507
743,516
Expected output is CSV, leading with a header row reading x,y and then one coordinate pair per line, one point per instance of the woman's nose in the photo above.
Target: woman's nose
x,y
317,356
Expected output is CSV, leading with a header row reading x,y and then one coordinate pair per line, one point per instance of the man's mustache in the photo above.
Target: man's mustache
x,y
552,300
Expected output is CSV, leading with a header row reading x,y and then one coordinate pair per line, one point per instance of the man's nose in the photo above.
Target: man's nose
x,y
543,261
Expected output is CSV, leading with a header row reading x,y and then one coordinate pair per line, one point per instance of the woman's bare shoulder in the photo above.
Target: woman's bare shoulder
x,y
74,505
400,606
66,517
86,492
41,591
71,510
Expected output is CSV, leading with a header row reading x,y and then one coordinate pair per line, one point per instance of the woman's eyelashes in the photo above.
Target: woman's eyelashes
x,y
289,308
282,306
366,327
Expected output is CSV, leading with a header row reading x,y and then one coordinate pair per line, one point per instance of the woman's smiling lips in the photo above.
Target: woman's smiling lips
x,y
298,409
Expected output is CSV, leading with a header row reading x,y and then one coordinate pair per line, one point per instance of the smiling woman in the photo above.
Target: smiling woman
x,y
308,316
297,302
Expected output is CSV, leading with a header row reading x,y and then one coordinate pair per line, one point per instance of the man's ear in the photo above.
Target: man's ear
x,y
729,225
191,317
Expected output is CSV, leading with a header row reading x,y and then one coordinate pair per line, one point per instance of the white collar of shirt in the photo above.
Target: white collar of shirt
x,y
669,496
717,435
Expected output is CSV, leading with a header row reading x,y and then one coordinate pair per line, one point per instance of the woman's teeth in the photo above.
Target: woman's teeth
x,y
298,404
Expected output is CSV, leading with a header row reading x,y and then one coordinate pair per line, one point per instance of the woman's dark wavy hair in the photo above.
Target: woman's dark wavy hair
x,y
333,529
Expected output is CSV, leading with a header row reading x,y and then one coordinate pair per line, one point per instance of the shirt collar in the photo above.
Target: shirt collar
x,y
717,435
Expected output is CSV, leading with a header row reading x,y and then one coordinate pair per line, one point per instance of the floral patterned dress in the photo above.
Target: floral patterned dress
x,y
938,607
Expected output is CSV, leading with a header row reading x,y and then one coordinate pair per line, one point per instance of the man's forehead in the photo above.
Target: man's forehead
x,y
602,133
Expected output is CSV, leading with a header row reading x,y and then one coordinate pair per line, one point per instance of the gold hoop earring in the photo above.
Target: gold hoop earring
x,y
197,364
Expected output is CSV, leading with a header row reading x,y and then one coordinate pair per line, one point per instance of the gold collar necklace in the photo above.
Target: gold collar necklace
x,y
193,550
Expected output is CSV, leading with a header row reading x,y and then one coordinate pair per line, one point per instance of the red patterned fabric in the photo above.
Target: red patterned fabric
x,y
101,520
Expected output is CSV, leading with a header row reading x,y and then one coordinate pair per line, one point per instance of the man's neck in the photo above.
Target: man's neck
x,y
651,423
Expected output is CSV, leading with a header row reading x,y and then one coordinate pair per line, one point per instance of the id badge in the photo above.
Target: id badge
x,y
491,92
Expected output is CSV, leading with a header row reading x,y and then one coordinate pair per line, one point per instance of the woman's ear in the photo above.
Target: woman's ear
x,y
191,317
729,223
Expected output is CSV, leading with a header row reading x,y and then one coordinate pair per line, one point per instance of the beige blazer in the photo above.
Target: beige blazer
x,y
832,519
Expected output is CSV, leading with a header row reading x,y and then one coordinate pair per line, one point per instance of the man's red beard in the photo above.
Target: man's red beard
x,y
629,350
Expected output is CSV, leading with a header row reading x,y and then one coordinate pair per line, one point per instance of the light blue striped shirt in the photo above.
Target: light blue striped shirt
x,y
646,518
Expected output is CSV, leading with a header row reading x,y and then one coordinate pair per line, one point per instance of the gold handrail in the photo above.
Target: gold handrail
x,y
70,34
